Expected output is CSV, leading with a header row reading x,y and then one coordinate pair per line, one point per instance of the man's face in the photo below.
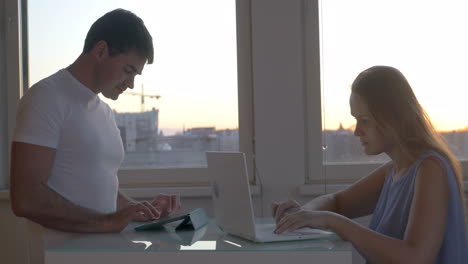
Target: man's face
x,y
118,73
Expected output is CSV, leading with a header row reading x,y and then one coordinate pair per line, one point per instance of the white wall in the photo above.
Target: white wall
x,y
13,240
279,107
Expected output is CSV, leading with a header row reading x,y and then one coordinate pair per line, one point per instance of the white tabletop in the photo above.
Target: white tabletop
x,y
206,242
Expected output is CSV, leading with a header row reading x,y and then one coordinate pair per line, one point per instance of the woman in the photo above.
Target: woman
x,y
416,199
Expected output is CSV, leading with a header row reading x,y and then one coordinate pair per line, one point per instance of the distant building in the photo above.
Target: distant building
x,y
200,132
146,147
228,139
457,142
202,139
465,145
342,146
139,131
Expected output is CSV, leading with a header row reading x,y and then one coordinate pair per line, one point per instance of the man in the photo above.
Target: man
x,y
67,148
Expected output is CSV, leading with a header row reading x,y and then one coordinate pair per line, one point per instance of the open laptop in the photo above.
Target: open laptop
x,y
233,203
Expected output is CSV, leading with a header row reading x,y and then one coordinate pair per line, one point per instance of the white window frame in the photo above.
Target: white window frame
x,y
147,179
332,176
3,102
11,78
197,177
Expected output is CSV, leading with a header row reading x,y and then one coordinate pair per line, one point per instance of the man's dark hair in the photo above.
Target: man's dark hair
x,y
123,31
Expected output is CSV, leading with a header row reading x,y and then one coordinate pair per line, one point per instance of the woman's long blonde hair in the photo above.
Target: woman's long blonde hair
x,y
395,108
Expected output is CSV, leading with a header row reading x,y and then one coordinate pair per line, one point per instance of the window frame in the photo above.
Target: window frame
x,y
11,73
3,101
197,177
332,176
165,177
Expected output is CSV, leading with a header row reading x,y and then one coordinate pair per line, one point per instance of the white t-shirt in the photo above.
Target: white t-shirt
x,y
61,113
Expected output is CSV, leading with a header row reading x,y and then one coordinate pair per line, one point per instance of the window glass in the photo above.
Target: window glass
x,y
425,40
185,103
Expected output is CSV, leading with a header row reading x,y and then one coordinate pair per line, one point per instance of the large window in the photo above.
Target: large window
x,y
423,39
348,38
185,103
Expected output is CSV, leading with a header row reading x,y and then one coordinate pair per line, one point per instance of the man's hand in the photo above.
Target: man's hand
x,y
153,214
166,204
143,211
280,209
162,205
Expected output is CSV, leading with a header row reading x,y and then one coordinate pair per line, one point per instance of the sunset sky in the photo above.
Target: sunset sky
x,y
195,59
426,40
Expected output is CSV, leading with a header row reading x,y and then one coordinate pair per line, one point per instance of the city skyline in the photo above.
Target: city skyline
x,y
146,147
338,127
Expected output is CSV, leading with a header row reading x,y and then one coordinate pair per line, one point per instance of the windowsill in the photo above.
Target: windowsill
x,y
185,192
205,192
146,193
321,189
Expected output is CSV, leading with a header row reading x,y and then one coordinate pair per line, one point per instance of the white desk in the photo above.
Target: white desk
x,y
206,245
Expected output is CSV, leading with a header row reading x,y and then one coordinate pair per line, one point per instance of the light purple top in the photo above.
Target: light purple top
x,y
393,207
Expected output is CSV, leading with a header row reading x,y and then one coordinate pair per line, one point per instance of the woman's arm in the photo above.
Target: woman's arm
x,y
424,233
357,200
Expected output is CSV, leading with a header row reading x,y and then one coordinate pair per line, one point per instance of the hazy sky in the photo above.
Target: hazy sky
x,y
195,68
427,40
195,54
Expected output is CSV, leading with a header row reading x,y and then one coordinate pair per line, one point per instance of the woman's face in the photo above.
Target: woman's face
x,y
367,129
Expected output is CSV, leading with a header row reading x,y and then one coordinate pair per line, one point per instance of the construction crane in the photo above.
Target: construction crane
x,y
143,95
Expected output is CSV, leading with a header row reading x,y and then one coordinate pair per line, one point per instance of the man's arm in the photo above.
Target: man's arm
x,y
32,198
123,200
